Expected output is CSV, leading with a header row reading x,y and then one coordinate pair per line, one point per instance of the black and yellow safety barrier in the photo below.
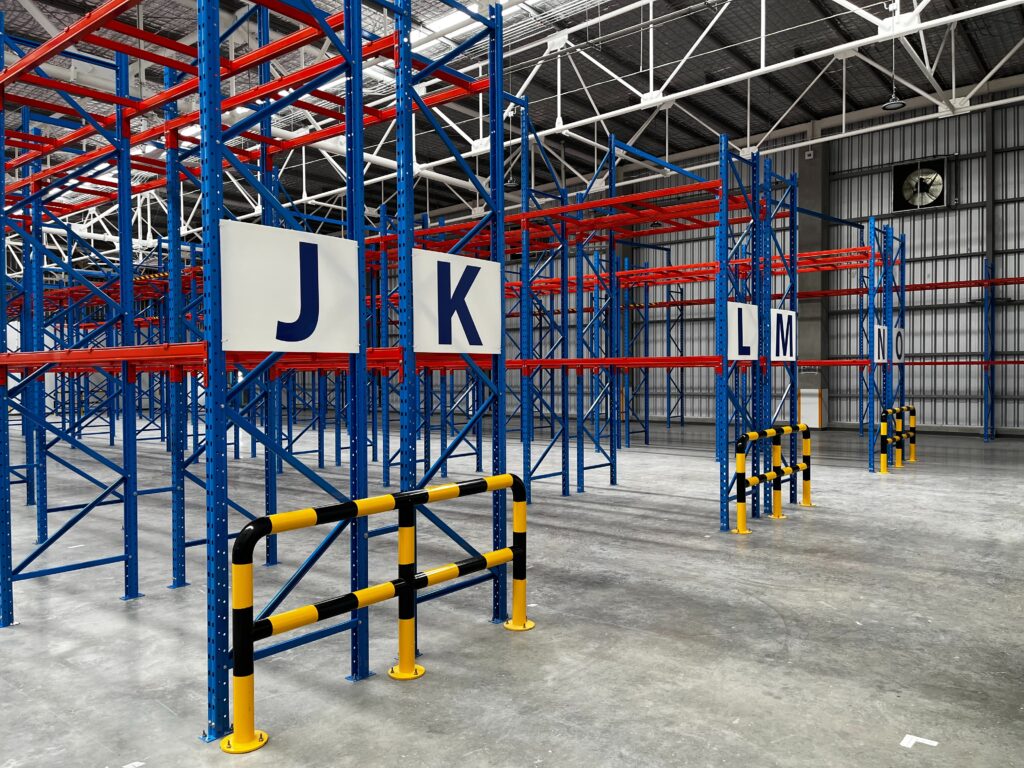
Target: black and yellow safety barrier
x,y
899,438
778,471
245,737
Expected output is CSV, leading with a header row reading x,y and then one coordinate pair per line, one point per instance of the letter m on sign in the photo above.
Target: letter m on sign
x,y
783,335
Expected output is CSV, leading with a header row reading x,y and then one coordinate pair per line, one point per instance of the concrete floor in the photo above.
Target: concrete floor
x,y
892,608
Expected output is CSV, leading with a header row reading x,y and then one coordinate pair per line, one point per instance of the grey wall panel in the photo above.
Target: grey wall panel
x,y
943,245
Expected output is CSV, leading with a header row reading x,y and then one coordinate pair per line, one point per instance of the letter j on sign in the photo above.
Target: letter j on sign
x,y
288,291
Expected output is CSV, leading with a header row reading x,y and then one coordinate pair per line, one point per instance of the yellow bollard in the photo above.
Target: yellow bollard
x,y
776,477
406,668
806,499
741,494
883,446
899,440
913,437
519,622
245,737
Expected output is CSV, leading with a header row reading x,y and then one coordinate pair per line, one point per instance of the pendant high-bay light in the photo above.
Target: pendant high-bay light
x,y
895,102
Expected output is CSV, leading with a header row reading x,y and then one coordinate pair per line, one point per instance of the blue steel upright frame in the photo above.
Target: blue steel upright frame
x,y
988,348
42,327
543,317
883,304
222,411
781,203
739,257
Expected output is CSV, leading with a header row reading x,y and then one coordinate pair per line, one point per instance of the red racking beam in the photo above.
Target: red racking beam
x,y
45,106
63,40
140,53
279,47
75,90
152,38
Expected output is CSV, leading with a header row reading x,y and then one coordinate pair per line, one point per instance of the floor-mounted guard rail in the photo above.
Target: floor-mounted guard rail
x,y
897,437
245,737
778,471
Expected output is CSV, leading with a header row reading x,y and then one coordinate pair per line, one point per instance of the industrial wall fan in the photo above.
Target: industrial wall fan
x,y
922,184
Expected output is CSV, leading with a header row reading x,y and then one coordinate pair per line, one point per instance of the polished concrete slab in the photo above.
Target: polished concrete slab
x,y
892,608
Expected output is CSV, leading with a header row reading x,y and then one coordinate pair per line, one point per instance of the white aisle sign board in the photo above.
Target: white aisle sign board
x,y
898,345
743,331
283,290
457,304
881,344
784,335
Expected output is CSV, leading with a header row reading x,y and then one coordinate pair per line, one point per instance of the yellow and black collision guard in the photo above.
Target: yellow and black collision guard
x,y
245,737
776,474
901,439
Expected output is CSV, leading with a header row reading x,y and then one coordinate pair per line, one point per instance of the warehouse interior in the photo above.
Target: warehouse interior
x,y
318,310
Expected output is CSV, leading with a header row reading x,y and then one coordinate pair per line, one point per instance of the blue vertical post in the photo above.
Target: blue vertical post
x,y
901,318
563,298
272,410
794,306
761,497
34,259
526,396
496,106
211,159
127,308
427,396
870,321
614,330
404,212
722,337
988,373
443,409
861,351
175,335
356,390
6,560
581,434
383,378
887,319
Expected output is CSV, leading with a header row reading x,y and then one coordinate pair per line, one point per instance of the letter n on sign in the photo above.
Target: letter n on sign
x,y
881,344
457,304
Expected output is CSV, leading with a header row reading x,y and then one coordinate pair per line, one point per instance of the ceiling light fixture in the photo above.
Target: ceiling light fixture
x,y
895,102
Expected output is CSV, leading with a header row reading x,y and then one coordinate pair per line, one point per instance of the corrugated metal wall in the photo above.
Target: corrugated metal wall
x,y
943,245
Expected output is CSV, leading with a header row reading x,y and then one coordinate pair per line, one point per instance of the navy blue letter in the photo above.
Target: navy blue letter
x,y
449,303
303,326
743,348
783,336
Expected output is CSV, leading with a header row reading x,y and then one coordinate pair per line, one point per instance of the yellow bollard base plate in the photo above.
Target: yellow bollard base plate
x,y
525,627
739,532
395,674
779,516
234,747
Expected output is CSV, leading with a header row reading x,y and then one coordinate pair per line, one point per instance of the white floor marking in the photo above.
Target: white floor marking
x,y
909,741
